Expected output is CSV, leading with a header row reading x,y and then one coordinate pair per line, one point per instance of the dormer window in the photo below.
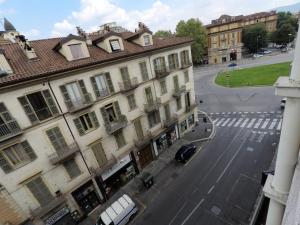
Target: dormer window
x,y
76,51
147,39
115,45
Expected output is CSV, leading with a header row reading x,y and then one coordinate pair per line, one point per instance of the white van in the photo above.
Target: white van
x,y
119,213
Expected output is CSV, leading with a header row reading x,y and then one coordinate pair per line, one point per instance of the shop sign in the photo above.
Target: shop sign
x,y
115,167
57,216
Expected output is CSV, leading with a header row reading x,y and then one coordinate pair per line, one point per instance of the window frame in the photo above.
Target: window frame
x,y
149,42
163,87
19,164
131,102
81,49
123,141
186,76
111,45
86,123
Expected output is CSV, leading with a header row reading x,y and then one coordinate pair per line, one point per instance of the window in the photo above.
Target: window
x,y
147,39
163,87
149,96
102,85
183,126
131,101
8,125
72,168
99,154
186,76
74,93
185,58
115,45
178,103
38,106
176,82
40,191
167,111
120,139
57,139
76,51
159,64
173,61
86,123
111,112
153,118
144,71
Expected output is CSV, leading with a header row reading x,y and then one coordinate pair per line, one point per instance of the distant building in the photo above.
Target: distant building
x,y
225,34
81,115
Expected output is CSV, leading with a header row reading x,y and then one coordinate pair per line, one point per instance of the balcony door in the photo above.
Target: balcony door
x,y
138,129
149,96
125,76
74,93
167,111
187,99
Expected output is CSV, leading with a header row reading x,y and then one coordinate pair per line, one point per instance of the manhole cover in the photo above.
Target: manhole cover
x,y
216,210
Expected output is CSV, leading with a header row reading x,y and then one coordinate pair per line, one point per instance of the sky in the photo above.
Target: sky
x,y
38,19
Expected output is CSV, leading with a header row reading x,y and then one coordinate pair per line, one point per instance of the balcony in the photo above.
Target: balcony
x,y
114,126
103,93
129,84
161,73
9,130
152,105
186,64
189,108
179,91
141,142
43,210
79,104
170,121
109,163
68,153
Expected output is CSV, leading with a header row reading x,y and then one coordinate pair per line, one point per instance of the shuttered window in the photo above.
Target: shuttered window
x,y
99,153
72,168
99,85
8,124
120,139
131,101
40,191
16,156
144,71
186,76
184,57
167,111
176,83
86,123
173,61
149,96
178,103
115,45
57,139
153,118
159,64
163,87
39,106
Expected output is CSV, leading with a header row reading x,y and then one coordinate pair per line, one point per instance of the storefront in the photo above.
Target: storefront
x,y
60,217
144,156
86,197
187,123
165,139
117,175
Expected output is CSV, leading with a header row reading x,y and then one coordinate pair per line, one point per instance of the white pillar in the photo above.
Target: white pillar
x,y
275,213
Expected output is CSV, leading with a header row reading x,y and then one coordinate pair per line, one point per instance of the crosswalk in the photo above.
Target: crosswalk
x,y
250,123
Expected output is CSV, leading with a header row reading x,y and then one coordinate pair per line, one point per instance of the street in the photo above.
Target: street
x,y
221,183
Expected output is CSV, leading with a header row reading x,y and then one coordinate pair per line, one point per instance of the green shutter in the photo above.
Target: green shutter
x,y
171,62
29,151
117,108
182,58
99,154
144,71
109,83
104,115
94,84
28,110
79,126
94,119
66,96
84,91
50,102
57,140
149,96
176,84
6,167
176,60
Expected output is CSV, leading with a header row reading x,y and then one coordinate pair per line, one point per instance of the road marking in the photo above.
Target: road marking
x,y
226,121
258,112
278,111
238,122
265,112
240,112
252,112
174,217
234,113
265,123
230,124
216,120
272,112
246,112
231,160
245,121
197,206
217,113
279,124
258,123
210,190
251,123
273,124
252,136
223,113
228,112
220,121
260,138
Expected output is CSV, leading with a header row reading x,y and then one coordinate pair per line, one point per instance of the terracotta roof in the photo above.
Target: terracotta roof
x,y
98,38
66,39
138,33
49,62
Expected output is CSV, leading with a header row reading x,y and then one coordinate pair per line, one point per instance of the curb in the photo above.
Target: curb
x,y
213,133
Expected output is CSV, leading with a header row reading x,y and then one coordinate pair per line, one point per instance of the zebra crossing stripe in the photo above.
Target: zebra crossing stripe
x,y
216,120
265,123
251,123
279,125
226,121
258,123
273,124
238,122
220,121
232,121
245,121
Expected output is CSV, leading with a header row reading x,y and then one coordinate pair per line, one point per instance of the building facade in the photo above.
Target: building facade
x,y
81,115
225,35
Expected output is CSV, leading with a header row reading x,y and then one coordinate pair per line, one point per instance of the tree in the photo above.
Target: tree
x,y
163,33
194,28
255,37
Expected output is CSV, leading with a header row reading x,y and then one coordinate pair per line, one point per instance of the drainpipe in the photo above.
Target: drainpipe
x,y
288,149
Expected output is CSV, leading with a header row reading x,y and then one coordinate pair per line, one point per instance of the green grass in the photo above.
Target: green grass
x,y
255,76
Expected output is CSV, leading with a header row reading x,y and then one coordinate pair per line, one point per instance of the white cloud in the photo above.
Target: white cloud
x,y
31,34
160,15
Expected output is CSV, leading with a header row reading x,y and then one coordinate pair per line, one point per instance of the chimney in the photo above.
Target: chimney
x,y
83,34
25,45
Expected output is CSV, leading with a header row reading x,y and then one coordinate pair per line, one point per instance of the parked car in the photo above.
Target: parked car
x,y
265,51
284,49
282,104
119,213
185,153
257,55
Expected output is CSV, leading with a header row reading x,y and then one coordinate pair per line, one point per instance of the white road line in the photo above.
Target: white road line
x,y
188,217
258,123
259,112
223,112
246,112
226,121
181,208
260,138
252,112
265,112
234,113
272,112
251,123
278,111
217,113
228,112
238,122
279,124
240,112
273,124
210,190
265,124
232,121
220,121
216,120
245,121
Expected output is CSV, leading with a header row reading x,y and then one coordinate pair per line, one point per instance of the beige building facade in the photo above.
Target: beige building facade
x,y
225,35
82,115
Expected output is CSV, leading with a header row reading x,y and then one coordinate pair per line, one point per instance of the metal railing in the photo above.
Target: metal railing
x,y
178,91
85,101
162,72
129,84
116,125
9,130
152,105
186,64
69,152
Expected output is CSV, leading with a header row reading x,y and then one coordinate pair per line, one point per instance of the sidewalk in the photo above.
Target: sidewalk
x,y
157,168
